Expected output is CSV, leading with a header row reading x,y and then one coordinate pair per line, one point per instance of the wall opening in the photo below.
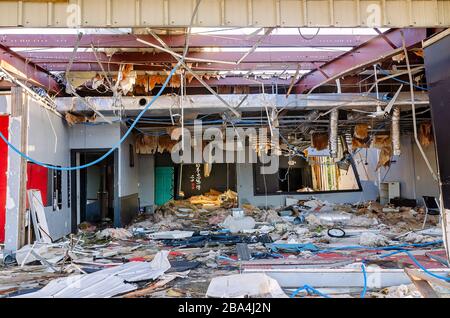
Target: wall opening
x,y
297,175
93,189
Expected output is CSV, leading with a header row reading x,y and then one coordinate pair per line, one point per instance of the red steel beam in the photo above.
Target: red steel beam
x,y
195,40
26,70
148,57
95,67
378,48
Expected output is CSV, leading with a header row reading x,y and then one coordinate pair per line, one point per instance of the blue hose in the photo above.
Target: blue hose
x,y
397,249
385,248
364,291
125,136
446,278
309,290
401,81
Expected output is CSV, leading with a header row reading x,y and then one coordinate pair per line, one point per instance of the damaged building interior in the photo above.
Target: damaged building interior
x,y
221,148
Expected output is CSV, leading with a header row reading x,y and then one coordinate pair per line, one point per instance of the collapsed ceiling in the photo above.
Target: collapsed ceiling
x,y
287,78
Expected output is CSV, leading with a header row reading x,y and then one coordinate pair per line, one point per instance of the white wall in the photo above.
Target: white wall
x,y
5,104
128,176
94,136
402,169
93,182
425,184
13,188
48,142
146,179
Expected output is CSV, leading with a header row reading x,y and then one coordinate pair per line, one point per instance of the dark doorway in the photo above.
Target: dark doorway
x,y
94,189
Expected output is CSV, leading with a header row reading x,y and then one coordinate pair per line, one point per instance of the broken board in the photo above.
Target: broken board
x,y
38,216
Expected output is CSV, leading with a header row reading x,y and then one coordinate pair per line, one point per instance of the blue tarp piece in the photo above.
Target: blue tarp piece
x,y
293,247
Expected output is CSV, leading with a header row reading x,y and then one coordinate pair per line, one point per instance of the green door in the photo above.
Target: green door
x,y
164,183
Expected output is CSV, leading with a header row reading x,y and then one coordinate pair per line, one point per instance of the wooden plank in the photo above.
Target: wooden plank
x,y
423,286
418,274
152,288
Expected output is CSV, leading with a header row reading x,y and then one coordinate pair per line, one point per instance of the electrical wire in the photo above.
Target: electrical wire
x,y
401,81
117,145
306,38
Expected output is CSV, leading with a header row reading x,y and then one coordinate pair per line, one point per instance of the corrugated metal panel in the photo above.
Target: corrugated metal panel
x,y
291,13
217,13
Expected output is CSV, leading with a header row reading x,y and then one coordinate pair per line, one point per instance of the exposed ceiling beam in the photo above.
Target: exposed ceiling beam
x,y
26,70
374,50
177,41
206,103
150,57
207,67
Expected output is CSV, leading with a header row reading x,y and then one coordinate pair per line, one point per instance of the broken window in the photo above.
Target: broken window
x,y
298,175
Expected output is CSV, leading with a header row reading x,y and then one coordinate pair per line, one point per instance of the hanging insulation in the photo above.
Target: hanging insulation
x,y
361,136
165,143
333,141
396,131
319,141
384,143
146,145
73,119
425,134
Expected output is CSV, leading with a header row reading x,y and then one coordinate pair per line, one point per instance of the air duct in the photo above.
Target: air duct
x,y
396,131
333,141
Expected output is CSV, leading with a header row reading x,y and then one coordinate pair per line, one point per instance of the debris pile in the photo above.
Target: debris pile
x,y
203,246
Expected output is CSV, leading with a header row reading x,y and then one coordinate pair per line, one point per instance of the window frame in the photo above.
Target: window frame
x,y
256,194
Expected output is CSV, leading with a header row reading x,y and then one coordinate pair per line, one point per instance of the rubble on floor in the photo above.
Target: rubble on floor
x,y
202,246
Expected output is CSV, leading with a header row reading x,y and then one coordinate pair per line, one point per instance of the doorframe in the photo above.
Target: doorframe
x,y
75,186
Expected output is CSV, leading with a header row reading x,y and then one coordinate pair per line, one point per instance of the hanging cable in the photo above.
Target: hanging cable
x,y
125,136
306,38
